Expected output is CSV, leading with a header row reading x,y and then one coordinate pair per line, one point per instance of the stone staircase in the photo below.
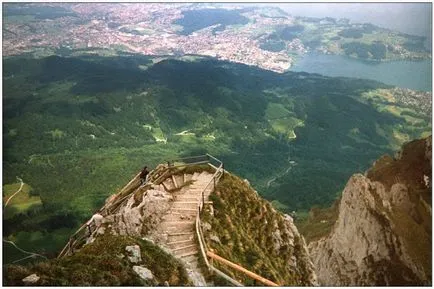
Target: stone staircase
x,y
179,222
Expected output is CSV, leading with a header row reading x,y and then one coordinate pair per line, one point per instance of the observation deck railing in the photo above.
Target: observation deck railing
x,y
156,177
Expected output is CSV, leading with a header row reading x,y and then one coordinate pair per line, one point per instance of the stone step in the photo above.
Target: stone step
x,y
168,184
177,223
190,192
174,229
181,234
187,198
179,244
202,175
192,253
183,211
209,184
200,183
175,184
195,176
178,217
160,187
187,177
179,238
177,226
190,259
179,180
182,251
184,205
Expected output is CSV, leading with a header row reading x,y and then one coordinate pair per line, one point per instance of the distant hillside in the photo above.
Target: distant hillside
x,y
76,129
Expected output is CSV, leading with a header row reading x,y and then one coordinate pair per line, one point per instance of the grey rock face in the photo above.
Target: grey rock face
x,y
364,247
143,272
300,262
206,226
216,239
31,279
135,256
136,218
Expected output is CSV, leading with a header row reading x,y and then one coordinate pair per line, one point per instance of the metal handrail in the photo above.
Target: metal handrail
x,y
73,239
202,244
241,269
199,233
189,158
162,173
203,247
118,201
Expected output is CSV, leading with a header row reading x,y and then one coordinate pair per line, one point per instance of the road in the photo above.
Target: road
x,y
21,186
279,175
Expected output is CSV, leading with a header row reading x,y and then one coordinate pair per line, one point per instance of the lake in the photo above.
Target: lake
x,y
416,75
194,20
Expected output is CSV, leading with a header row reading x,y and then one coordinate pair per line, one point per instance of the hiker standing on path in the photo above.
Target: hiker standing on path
x,y
144,175
95,222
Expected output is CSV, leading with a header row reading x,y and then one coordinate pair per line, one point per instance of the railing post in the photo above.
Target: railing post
x,y
203,198
70,245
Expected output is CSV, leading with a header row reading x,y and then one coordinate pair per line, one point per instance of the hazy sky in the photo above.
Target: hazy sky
x,y
412,18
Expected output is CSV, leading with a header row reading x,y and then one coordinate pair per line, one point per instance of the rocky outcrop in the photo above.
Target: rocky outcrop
x,y
300,261
135,255
31,280
383,232
140,214
164,214
245,229
143,272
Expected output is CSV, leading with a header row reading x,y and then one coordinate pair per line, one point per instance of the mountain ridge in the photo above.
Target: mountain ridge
x,y
382,235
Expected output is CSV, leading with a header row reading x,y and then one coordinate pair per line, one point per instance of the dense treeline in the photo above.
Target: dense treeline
x,y
276,41
39,12
376,50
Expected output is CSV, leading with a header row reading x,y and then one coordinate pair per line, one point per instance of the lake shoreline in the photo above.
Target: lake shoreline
x,y
412,74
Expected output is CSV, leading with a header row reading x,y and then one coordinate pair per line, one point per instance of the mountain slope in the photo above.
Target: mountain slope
x,y
76,129
153,225
103,263
244,228
382,235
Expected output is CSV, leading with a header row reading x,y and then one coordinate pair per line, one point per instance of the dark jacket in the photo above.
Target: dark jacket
x,y
144,173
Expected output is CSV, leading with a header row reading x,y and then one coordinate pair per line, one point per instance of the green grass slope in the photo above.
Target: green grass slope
x,y
246,227
102,263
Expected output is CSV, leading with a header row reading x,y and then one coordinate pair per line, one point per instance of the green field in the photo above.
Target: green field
x,y
21,202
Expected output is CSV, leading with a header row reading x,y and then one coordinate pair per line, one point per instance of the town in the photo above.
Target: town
x,y
148,29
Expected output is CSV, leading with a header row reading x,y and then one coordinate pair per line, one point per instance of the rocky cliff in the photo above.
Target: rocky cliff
x,y
382,235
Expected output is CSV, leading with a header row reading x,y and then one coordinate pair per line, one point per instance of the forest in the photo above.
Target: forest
x,y
76,130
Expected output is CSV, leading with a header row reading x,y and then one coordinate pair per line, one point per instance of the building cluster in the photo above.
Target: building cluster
x,y
148,29
420,100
